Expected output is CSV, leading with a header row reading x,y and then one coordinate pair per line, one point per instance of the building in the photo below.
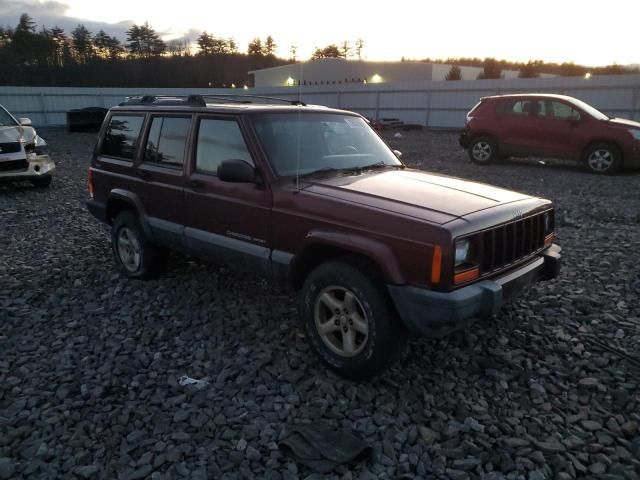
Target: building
x,y
336,71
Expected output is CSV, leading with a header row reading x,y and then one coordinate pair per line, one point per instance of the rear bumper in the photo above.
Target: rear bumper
x,y
439,313
38,167
464,139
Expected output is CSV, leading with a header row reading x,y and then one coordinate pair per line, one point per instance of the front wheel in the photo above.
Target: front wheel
x,y
603,158
483,151
42,182
349,320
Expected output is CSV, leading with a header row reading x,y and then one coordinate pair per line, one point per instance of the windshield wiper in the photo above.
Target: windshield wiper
x,y
320,171
377,165
357,170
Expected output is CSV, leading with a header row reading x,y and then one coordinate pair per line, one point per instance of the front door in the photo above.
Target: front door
x,y
161,175
563,133
227,222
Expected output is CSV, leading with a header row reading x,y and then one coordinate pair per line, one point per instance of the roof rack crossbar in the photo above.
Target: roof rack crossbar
x,y
247,98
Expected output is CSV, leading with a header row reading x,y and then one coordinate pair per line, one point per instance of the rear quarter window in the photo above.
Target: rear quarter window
x,y
121,137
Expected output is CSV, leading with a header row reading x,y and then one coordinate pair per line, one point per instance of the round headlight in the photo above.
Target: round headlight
x,y
462,251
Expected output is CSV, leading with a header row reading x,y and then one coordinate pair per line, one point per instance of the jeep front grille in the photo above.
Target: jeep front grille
x,y
12,147
510,243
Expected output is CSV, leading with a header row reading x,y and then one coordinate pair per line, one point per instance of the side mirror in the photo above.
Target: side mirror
x,y
397,153
25,122
236,171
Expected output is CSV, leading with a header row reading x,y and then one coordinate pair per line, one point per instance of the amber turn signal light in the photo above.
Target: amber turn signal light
x,y
466,276
548,240
436,264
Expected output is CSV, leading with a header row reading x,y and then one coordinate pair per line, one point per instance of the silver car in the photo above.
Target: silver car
x,y
23,154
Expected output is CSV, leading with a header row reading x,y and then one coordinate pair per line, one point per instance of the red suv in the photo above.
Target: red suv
x,y
550,126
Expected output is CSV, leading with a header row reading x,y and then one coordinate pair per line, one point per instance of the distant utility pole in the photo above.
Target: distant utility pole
x,y
359,47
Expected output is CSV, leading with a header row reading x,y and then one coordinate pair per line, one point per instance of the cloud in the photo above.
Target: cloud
x,y
52,13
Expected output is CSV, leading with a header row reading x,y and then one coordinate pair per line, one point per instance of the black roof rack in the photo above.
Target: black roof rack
x,y
201,100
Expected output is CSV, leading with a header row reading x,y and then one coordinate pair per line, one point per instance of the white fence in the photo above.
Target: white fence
x,y
432,104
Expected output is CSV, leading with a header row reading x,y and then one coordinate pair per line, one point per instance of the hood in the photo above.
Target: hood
x,y
402,191
17,134
623,122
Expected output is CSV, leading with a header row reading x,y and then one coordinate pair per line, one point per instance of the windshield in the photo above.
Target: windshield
x,y
304,143
597,114
6,120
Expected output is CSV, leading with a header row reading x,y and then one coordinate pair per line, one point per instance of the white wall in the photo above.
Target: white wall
x,y
330,70
431,103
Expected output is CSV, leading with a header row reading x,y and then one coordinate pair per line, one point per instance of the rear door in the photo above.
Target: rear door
x,y
227,222
522,126
161,176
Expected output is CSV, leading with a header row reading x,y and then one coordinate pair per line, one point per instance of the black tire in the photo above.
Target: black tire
x,y
483,151
603,159
151,258
386,335
42,182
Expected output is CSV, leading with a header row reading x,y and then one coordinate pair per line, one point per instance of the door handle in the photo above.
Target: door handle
x,y
144,174
195,183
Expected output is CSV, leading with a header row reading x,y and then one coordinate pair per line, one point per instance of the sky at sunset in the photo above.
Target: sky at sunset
x,y
586,32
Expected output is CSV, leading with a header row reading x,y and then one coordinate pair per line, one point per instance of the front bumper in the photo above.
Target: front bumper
x,y
439,313
38,167
632,156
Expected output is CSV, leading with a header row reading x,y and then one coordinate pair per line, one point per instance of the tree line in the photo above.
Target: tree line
x,y
33,56
493,69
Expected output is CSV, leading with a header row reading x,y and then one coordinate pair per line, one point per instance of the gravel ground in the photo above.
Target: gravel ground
x,y
90,361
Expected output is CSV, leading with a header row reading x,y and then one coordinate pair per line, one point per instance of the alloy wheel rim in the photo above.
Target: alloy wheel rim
x,y
600,160
129,249
481,151
341,321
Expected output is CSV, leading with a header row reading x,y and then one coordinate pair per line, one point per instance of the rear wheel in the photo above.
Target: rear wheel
x,y
483,151
134,254
603,158
349,320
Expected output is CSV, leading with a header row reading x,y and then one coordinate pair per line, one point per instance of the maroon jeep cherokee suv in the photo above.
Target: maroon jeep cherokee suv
x,y
550,126
315,197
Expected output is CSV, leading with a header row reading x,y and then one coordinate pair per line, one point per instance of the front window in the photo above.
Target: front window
x,y
6,120
302,143
219,140
562,111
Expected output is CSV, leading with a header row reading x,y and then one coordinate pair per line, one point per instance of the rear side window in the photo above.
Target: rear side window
x,y
121,138
167,140
219,140
531,108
